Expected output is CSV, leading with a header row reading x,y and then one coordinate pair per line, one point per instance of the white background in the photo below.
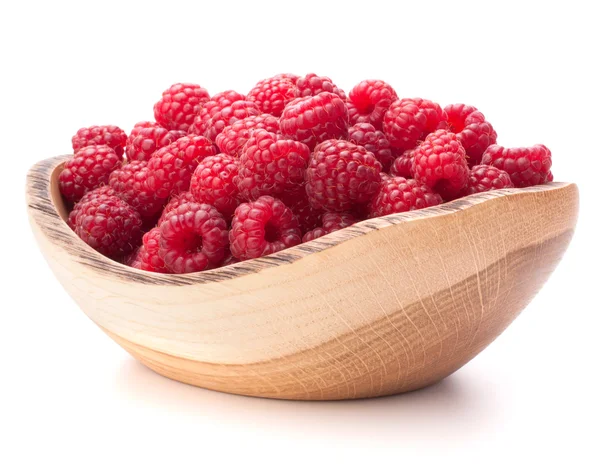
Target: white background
x,y
70,394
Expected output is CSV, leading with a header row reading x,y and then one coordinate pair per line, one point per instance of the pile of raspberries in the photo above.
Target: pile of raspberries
x,y
222,179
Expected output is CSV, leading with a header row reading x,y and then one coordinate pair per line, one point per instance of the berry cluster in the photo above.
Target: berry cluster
x,y
222,179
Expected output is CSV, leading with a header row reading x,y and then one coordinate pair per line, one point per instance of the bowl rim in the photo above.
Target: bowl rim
x,y
42,188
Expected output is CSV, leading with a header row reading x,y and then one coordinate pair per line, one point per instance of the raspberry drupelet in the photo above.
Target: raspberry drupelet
x,y
330,222
146,138
311,85
193,237
369,100
483,178
233,138
129,183
88,169
112,136
341,175
311,120
398,194
273,94
263,227
472,130
179,105
271,165
365,135
213,183
526,166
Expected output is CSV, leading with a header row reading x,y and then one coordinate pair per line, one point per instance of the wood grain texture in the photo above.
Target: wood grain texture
x,y
388,305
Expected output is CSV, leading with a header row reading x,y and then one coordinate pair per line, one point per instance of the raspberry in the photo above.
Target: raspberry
x,y
409,120
398,194
109,225
402,165
311,120
311,85
89,168
229,115
234,137
473,131
193,237
370,100
179,105
272,95
292,77
549,177
213,183
145,139
170,168
297,201
174,203
440,162
149,257
365,135
483,178
263,227
340,175
330,222
130,184
526,166
211,108
112,136
271,165
99,192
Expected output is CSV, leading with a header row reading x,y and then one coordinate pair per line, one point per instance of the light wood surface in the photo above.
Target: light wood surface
x,y
386,306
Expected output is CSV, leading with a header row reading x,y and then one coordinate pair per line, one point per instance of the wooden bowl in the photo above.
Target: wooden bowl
x,y
388,305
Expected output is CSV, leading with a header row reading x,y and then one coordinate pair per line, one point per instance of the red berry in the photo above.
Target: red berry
x,y
88,169
473,131
365,135
483,178
93,194
211,108
370,100
402,165
271,165
112,136
311,85
330,222
147,138
130,184
229,115
311,120
234,137
149,257
526,166
292,77
179,105
297,201
398,194
175,202
409,120
341,175
109,225
272,95
263,227
193,237
227,97
170,168
440,162
213,183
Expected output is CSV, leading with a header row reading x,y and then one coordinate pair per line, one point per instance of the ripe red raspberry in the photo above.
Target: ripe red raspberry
x,y
330,222
549,177
89,168
211,108
409,120
526,166
402,165
473,131
146,138
193,237
234,137
175,202
271,165
311,85
370,100
263,227
341,175
365,135
213,183
130,184
179,105
112,136
440,162
109,225
292,77
311,120
149,258
483,178
170,168
229,115
272,95
297,201
398,194
99,192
